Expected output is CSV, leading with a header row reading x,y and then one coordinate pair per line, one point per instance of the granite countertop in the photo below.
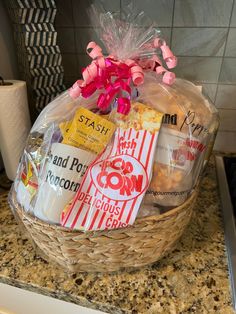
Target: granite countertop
x,y
191,279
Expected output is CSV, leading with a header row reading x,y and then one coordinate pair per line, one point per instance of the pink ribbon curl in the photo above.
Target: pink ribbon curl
x,y
114,77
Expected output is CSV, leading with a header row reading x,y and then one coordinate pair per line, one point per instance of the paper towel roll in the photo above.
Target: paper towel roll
x,y
14,124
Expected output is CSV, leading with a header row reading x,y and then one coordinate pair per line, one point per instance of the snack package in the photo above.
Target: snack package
x,y
189,123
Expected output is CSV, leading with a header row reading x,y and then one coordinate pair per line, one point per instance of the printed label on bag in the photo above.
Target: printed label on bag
x,y
64,171
177,150
88,130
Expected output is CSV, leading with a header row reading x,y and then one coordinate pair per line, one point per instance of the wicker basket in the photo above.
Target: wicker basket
x,y
98,251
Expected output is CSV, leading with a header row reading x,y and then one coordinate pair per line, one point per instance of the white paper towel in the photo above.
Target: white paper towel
x,y
14,124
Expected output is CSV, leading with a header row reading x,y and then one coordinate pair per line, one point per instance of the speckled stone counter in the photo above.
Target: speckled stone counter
x,y
191,279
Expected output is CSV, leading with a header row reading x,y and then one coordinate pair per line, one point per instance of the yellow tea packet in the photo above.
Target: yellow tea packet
x,y
88,130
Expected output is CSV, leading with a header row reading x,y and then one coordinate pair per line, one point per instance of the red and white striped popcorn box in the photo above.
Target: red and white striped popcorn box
x,y
113,187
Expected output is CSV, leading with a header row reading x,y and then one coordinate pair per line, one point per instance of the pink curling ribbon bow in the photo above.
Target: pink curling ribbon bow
x,y
114,77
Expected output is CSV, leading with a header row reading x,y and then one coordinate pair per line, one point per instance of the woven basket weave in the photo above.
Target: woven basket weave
x,y
98,251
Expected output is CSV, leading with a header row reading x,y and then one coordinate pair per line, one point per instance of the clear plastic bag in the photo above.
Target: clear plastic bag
x,y
89,157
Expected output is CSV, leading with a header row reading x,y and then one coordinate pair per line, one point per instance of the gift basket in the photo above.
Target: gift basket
x,y
110,171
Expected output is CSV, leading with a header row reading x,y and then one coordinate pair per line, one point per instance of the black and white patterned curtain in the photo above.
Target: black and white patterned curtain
x,y
39,56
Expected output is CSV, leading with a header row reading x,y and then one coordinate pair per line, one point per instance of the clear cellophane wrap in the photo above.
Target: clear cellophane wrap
x,y
127,139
